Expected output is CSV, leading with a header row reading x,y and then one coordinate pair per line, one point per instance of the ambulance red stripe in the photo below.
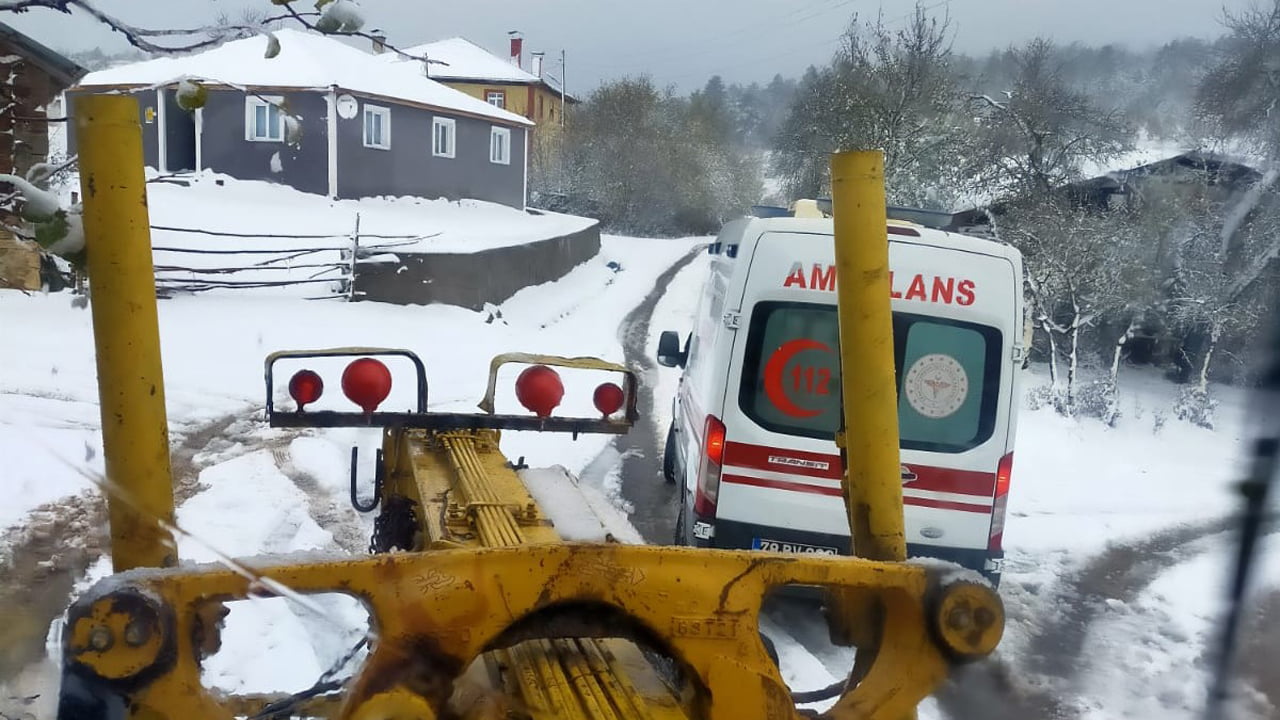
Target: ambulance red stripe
x,y
810,464
796,462
780,485
946,505
835,492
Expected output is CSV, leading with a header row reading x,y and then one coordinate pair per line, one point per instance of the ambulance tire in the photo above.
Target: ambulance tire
x,y
681,533
669,456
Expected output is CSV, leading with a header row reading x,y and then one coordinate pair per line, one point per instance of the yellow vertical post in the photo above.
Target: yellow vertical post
x,y
872,482
126,330
873,477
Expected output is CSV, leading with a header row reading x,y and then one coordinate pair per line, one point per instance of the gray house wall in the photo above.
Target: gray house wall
x,y
409,168
150,132
224,149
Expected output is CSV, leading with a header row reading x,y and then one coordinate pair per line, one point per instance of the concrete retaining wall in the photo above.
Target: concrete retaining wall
x,y
473,279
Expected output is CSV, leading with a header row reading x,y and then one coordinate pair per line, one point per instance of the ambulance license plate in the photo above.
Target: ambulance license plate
x,y
791,547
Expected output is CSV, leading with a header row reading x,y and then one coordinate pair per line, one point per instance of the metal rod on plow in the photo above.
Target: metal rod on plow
x,y
872,481
126,331
873,476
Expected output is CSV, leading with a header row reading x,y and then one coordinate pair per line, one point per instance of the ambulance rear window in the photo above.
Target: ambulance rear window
x,y
948,376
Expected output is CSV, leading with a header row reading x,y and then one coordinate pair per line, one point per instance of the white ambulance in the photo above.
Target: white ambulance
x,y
752,441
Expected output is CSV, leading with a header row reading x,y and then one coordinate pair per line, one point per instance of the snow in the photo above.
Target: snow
x,y
214,347
464,60
340,16
1165,638
217,203
1146,149
39,203
581,512
1119,483
306,61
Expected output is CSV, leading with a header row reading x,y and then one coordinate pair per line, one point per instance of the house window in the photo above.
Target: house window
x,y
377,127
263,120
443,132
496,98
500,146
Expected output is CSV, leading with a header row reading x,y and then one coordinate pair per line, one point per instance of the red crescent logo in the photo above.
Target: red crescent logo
x,y
773,388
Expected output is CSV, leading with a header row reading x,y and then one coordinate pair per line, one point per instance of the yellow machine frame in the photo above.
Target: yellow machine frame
x,y
488,577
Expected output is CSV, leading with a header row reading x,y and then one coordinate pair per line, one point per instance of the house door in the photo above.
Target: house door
x,y
180,136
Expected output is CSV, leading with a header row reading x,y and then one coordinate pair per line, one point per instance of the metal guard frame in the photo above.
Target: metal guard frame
x,y
419,368
440,610
422,419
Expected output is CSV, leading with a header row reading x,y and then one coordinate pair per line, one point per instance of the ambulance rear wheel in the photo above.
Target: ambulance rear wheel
x,y
669,456
681,534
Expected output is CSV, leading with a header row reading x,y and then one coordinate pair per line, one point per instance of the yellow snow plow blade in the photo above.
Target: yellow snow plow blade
x,y
537,611
478,608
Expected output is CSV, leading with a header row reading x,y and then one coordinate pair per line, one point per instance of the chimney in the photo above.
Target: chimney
x,y
517,48
536,59
379,41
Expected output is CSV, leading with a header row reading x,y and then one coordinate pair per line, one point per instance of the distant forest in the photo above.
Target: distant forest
x,y
778,135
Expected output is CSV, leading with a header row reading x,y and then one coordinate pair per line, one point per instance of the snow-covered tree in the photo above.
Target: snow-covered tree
x,y
893,90
1083,265
644,160
1036,136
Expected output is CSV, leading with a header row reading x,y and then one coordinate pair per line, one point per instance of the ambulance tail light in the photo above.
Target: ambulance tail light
x,y
704,500
1004,475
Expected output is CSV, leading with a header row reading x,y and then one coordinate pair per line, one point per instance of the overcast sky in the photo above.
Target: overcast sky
x,y
683,41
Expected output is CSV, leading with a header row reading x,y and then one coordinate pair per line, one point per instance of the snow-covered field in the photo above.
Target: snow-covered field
x,y
1116,559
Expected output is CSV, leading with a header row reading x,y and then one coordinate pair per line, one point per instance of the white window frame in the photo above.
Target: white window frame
x,y
452,149
502,136
381,112
251,105
499,95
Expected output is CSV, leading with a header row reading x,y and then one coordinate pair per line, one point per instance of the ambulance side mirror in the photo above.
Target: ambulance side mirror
x,y
669,353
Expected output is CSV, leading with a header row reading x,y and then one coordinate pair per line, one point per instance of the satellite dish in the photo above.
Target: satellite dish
x,y
347,107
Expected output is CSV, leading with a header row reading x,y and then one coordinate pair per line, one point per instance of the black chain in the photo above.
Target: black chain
x,y
327,683
395,526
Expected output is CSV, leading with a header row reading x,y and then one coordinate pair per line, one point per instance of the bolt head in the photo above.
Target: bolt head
x,y
100,638
959,618
137,633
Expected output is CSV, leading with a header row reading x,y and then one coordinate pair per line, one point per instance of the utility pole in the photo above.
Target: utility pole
x,y
563,74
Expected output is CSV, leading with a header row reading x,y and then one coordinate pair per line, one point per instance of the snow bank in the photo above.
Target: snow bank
x,y
218,203
297,236
675,311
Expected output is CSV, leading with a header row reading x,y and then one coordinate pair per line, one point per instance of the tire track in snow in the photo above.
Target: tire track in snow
x,y
641,449
330,513
1040,682
43,558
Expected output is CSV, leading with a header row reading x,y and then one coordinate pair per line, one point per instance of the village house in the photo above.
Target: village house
x,y
526,89
323,117
35,75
